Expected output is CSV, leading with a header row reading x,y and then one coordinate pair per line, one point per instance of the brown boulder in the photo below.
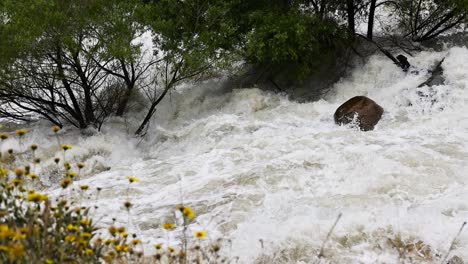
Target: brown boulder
x,y
366,112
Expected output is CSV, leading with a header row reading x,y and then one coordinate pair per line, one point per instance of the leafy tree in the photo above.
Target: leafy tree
x,y
60,58
293,38
192,38
80,61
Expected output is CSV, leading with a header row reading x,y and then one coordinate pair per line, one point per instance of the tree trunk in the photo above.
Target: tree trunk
x,y
152,110
385,52
122,107
85,85
370,23
89,111
350,9
130,80
76,113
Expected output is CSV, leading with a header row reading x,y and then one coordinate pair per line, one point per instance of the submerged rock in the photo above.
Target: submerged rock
x,y
364,111
437,76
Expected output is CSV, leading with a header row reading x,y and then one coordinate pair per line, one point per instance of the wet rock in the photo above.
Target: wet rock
x,y
364,111
403,62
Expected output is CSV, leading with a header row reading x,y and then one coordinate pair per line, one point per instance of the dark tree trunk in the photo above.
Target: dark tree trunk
x,y
350,10
85,85
122,107
387,53
151,111
89,111
52,99
130,80
76,113
370,24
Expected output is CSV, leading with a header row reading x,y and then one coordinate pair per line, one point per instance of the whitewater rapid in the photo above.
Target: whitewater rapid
x,y
255,165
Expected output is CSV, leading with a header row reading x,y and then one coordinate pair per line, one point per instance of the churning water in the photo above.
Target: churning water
x,y
257,166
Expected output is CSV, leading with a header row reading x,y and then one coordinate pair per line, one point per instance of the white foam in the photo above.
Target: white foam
x,y
255,165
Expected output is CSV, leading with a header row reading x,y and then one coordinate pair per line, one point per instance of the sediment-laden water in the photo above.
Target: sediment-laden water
x,y
255,166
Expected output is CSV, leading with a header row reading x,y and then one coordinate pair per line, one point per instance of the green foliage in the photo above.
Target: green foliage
x,y
117,28
194,34
291,38
36,26
461,6
74,56
273,33
64,54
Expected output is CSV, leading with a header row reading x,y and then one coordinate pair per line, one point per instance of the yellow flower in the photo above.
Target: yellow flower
x,y
3,171
49,261
84,187
56,160
21,233
200,234
82,243
36,197
65,147
33,147
55,129
171,249
32,176
17,182
132,179
108,241
80,165
187,212
4,248
121,248
16,251
88,251
124,234
112,230
86,235
71,174
72,227
121,229
136,241
65,182
3,136
70,238
21,132
5,231
85,222
157,246
168,225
